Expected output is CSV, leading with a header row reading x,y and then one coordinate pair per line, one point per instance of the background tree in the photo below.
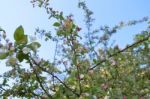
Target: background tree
x,y
84,66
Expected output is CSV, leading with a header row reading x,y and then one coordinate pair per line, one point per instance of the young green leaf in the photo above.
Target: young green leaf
x,y
21,56
56,24
19,34
3,55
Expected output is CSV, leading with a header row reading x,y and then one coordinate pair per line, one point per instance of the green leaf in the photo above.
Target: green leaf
x,y
2,29
24,40
4,81
21,56
61,17
95,61
19,34
95,89
56,24
3,55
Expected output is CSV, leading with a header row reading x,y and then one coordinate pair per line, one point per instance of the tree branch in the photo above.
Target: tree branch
x,y
59,80
78,69
38,79
130,46
74,92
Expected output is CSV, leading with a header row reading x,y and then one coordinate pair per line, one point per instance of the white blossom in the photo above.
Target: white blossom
x,y
81,76
53,93
94,97
73,87
106,97
87,94
26,50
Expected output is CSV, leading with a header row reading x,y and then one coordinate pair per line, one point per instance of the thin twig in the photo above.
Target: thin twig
x,y
54,59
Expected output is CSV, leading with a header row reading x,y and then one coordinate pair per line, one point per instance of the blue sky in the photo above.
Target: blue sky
x,y
106,12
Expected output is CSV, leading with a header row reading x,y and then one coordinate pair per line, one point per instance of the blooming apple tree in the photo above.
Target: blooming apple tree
x,y
84,66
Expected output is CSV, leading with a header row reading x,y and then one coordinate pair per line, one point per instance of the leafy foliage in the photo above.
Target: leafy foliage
x,y
84,67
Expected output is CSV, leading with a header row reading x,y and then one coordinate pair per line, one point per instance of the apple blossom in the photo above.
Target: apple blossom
x,y
26,50
81,76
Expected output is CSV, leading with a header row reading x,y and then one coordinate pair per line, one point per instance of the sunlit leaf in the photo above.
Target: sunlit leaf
x,y
3,55
56,24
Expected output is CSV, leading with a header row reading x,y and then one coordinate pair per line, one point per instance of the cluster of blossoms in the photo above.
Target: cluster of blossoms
x,y
5,44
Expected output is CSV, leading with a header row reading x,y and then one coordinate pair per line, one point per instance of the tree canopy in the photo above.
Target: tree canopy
x,y
85,66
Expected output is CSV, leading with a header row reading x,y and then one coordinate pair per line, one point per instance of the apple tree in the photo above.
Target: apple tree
x,y
85,66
